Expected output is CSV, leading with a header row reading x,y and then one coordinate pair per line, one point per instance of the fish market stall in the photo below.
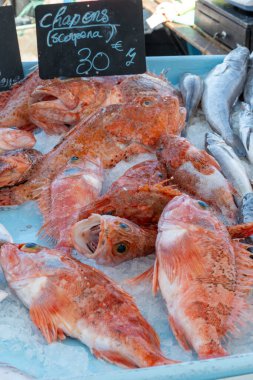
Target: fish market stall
x,y
22,345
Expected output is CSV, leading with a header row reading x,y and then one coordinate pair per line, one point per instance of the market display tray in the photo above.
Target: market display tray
x,y
23,223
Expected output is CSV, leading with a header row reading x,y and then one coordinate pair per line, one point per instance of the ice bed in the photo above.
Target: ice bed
x,y
22,345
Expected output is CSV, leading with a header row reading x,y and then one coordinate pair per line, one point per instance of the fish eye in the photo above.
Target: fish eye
x,y
30,247
121,248
202,204
147,103
123,225
74,158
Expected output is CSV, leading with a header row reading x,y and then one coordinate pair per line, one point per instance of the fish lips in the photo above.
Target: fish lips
x,y
87,238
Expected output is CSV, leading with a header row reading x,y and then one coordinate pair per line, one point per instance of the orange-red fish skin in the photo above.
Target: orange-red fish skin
x,y
76,186
112,134
197,173
16,166
11,139
59,104
14,108
148,172
66,297
201,274
142,205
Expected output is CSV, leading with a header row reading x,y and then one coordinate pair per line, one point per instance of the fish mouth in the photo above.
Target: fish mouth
x,y
86,235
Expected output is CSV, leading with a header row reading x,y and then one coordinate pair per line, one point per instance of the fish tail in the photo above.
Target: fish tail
x,y
211,350
144,359
159,359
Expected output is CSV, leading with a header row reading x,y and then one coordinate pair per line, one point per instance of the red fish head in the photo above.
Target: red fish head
x,y
15,165
18,262
110,240
145,121
188,210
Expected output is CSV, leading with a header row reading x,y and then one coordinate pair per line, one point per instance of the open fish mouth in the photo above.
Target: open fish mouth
x,y
86,235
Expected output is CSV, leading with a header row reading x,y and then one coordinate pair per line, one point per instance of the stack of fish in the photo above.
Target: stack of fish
x,y
180,202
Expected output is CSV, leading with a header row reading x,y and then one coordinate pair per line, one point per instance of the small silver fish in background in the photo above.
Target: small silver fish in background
x,y
248,89
222,87
8,372
246,214
245,124
230,164
191,87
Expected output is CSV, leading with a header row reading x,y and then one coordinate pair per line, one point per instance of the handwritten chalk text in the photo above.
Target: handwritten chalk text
x,y
61,20
99,62
8,82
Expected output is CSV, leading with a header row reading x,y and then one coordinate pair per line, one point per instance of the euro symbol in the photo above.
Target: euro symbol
x,y
117,46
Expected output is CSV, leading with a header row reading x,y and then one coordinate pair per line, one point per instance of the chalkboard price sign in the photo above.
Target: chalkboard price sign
x,y
11,70
90,38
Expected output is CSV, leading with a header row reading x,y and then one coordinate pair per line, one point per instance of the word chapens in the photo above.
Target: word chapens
x,y
64,28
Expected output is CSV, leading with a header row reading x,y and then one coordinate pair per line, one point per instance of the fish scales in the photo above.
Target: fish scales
x,y
201,274
230,165
222,86
68,298
112,134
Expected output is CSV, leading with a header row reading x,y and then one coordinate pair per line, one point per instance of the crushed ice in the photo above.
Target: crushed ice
x,y
22,345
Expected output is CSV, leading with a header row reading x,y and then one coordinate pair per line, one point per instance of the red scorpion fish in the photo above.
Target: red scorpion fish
x,y
68,298
112,134
110,240
197,173
58,104
77,185
11,139
16,166
14,108
204,276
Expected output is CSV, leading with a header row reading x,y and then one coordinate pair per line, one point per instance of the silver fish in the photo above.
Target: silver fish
x,y
245,124
246,213
248,89
230,164
222,87
191,87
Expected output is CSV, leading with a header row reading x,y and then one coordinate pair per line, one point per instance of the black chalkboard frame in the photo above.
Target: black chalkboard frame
x,y
112,40
11,69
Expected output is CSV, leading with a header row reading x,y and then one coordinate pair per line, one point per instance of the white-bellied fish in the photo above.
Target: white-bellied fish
x,y
246,213
245,129
204,276
222,86
68,298
191,87
248,89
230,165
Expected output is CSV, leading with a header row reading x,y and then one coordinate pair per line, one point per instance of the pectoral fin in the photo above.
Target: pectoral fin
x,y
51,311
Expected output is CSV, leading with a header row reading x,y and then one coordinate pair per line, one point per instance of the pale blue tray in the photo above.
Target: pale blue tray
x,y
24,222
247,8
